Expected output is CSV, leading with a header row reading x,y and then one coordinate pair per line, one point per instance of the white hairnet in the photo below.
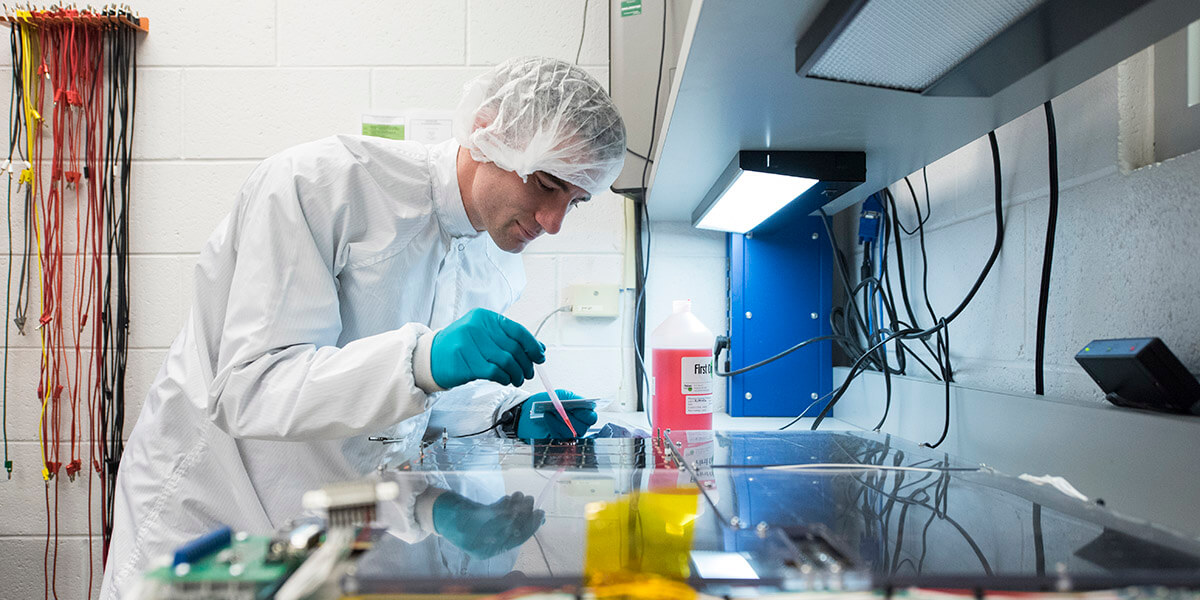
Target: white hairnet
x,y
543,114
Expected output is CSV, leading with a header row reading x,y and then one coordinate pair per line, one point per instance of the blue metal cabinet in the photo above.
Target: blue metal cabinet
x,y
778,281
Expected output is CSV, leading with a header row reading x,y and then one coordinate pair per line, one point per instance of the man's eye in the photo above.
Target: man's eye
x,y
543,186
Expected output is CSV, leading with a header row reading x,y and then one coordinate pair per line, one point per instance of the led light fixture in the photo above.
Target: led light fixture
x,y
759,183
948,47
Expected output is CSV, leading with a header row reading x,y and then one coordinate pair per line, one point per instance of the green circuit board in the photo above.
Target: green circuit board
x,y
244,561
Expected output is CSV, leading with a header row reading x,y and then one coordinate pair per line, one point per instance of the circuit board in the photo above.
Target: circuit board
x,y
243,569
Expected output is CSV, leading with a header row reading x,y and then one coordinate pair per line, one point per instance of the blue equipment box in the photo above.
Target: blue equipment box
x,y
780,293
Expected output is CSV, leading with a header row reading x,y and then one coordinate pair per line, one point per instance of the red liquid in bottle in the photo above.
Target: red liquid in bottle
x,y
683,389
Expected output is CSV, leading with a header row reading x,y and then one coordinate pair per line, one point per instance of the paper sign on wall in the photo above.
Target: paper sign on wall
x,y
425,126
430,126
383,125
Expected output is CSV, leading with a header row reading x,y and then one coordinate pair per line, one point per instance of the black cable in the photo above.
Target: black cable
x,y
23,289
639,329
15,99
772,359
912,317
630,150
1048,257
920,221
943,345
914,332
662,53
582,31
639,305
999,229
845,272
924,255
1039,544
505,417
639,340
121,71
887,402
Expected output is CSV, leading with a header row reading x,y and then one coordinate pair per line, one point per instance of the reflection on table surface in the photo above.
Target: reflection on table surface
x,y
770,509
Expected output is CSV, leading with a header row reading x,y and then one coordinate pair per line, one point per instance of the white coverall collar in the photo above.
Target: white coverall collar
x,y
447,198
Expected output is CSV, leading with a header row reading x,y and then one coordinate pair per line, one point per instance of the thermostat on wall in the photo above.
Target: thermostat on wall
x,y
1141,373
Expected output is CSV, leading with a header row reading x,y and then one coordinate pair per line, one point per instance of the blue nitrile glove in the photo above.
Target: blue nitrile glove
x,y
484,345
485,530
551,426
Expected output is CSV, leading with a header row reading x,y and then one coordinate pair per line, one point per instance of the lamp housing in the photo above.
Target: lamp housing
x,y
758,184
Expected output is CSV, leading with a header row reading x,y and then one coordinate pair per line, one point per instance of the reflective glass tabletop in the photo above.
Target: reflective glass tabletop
x,y
770,510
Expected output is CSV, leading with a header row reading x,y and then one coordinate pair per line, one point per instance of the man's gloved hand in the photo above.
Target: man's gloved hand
x,y
485,530
551,426
484,345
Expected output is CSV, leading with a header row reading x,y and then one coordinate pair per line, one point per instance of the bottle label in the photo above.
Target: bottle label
x,y
695,376
699,405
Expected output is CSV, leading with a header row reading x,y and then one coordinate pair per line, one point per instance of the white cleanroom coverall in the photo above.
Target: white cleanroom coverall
x,y
310,298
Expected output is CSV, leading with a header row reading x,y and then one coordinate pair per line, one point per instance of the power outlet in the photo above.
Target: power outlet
x,y
594,300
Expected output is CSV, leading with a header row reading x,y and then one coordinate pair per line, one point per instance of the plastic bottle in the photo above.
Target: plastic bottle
x,y
681,350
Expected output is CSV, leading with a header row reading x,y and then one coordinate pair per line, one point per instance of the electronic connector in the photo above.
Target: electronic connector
x,y
350,504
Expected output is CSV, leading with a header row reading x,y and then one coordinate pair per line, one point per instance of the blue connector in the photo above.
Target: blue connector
x,y
209,543
868,223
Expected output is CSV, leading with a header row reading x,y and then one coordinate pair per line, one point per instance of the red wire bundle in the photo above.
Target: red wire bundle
x,y
70,59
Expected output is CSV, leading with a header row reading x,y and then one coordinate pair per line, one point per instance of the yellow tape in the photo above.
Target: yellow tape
x,y
638,546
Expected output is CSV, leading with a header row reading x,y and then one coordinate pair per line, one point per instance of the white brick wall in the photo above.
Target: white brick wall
x,y
222,85
1121,259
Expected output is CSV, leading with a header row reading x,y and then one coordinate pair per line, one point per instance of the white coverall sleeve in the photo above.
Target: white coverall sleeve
x,y
471,407
279,374
410,516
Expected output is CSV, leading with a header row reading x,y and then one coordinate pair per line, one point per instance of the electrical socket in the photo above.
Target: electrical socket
x,y
594,300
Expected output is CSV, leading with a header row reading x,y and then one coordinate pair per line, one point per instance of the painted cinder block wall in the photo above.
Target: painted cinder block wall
x,y
222,85
1127,229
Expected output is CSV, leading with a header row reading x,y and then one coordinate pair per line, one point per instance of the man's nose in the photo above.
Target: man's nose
x,y
551,217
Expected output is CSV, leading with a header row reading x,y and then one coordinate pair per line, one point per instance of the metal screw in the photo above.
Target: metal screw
x,y
735,522
761,529
749,395
815,236
815,315
815,396
749,315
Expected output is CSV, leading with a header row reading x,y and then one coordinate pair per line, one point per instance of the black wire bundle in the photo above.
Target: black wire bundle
x,y
121,74
898,330
901,330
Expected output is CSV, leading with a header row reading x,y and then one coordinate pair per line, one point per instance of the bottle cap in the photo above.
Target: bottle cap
x,y
681,306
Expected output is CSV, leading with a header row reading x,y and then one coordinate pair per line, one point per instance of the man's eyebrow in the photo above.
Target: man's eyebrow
x,y
562,185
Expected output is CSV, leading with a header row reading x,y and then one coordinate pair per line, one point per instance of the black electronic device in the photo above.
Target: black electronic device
x,y
1141,373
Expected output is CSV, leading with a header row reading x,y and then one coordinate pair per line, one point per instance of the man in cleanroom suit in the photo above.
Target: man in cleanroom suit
x,y
354,291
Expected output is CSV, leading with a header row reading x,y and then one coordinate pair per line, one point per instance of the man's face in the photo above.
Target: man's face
x,y
514,212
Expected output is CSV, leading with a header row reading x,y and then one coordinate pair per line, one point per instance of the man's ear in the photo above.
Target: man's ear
x,y
482,120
